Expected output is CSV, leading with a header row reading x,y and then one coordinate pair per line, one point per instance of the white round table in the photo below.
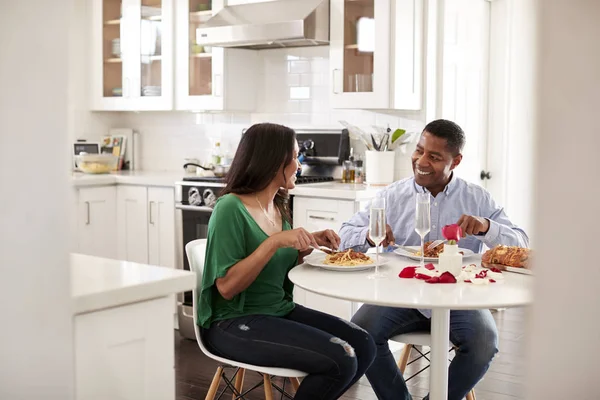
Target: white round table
x,y
392,291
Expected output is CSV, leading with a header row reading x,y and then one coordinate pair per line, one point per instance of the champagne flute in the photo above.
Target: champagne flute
x,y
377,226
423,221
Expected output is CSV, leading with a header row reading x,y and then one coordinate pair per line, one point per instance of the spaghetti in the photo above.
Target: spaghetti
x,y
348,258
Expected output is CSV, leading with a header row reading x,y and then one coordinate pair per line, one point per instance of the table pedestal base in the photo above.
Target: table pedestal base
x,y
440,333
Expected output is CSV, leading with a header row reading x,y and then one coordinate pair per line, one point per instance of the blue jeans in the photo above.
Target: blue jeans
x,y
472,331
335,353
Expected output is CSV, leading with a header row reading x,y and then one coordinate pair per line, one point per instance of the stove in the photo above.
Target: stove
x,y
212,179
313,179
300,180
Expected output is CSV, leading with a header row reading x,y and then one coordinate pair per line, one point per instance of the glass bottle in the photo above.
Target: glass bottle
x,y
358,174
348,168
216,154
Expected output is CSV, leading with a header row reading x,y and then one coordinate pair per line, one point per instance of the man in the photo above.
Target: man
x,y
453,201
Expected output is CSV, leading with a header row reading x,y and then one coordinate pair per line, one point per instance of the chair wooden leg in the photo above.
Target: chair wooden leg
x,y
295,383
214,385
471,395
404,356
268,387
239,382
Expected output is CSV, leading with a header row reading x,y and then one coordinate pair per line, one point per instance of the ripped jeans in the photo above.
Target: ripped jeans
x,y
333,352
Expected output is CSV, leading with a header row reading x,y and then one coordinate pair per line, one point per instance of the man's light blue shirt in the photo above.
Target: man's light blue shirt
x,y
458,198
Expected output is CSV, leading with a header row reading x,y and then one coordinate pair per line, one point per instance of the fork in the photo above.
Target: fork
x,y
435,244
324,250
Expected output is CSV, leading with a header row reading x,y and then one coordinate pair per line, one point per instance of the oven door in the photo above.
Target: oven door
x,y
194,225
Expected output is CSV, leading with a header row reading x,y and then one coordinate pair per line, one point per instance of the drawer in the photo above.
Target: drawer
x,y
315,214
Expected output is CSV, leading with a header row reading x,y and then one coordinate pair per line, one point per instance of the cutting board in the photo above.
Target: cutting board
x,y
506,268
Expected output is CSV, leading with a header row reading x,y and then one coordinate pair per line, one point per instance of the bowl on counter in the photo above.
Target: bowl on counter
x,y
96,163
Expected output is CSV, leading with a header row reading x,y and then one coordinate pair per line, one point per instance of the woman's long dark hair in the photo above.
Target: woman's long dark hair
x,y
263,150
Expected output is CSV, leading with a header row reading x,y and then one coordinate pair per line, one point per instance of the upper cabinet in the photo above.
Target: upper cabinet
x,y
143,61
132,55
211,78
376,54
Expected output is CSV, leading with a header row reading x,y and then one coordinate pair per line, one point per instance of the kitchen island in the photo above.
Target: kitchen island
x,y
123,322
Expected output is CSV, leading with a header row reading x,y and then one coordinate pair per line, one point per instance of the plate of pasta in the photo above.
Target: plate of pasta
x,y
347,260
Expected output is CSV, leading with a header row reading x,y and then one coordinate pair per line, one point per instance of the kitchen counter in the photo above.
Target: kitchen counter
x,y
123,326
141,178
101,283
337,190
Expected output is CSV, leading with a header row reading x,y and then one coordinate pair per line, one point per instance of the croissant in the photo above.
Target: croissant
x,y
511,256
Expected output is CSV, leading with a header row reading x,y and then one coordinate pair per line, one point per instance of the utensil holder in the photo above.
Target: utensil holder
x,y
379,167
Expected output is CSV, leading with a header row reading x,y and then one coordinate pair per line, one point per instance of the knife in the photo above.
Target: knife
x,y
410,250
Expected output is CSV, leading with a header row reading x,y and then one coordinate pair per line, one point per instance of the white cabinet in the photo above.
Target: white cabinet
x,y
96,221
126,352
316,214
146,225
211,78
376,51
161,227
132,55
132,217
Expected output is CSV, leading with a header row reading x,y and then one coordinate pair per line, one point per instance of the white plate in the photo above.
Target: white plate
x,y
466,254
318,260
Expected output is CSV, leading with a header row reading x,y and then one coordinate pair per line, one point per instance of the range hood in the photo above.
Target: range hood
x,y
267,25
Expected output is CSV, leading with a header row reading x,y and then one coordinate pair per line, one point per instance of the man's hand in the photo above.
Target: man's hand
x,y
389,237
471,225
327,238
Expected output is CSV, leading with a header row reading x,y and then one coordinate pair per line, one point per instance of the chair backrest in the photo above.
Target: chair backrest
x,y
196,253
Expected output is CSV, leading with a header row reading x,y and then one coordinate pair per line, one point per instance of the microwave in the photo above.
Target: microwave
x,y
84,147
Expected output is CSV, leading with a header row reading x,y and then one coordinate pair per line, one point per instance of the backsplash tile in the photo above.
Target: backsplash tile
x,y
295,92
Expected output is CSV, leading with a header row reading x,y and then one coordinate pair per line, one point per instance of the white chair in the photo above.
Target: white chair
x,y
418,339
195,251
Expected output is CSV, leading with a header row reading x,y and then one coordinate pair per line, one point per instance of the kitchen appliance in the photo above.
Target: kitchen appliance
x,y
82,146
218,170
268,24
195,197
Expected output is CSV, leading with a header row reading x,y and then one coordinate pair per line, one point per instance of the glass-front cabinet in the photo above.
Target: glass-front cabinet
x,y
132,55
210,78
375,52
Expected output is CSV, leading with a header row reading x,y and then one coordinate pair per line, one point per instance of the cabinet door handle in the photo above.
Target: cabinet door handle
x,y
334,75
321,218
150,212
87,212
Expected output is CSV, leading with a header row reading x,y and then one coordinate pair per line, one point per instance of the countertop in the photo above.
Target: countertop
x,y
337,190
328,190
99,283
142,178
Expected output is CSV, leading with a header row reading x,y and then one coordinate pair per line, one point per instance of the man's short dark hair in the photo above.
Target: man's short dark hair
x,y
454,135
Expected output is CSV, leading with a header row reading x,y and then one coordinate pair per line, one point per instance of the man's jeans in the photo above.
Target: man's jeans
x,y
472,331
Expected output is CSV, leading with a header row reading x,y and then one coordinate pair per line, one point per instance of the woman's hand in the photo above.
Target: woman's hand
x,y
299,239
327,238
304,253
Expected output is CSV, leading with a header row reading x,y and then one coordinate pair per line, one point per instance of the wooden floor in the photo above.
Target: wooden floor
x,y
503,381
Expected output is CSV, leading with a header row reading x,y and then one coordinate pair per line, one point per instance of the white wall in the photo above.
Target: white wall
x,y
512,130
36,357
563,349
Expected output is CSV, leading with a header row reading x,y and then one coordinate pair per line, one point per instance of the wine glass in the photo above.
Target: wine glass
x,y
377,226
422,221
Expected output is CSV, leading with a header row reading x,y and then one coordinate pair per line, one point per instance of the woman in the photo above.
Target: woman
x,y
246,308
